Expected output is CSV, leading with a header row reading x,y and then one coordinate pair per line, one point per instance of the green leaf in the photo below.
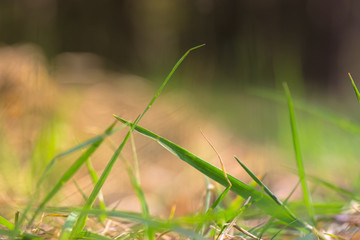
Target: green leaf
x,y
7,223
95,179
259,182
68,225
263,201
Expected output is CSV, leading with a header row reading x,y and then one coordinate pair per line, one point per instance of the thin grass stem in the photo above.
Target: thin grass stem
x,y
299,161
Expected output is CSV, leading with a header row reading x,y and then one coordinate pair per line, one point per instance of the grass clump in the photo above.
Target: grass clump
x,y
224,217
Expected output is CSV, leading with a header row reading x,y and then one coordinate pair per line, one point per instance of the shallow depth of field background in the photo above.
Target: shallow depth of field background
x,y
66,66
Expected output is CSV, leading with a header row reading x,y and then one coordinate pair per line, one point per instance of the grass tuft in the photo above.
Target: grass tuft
x,y
221,220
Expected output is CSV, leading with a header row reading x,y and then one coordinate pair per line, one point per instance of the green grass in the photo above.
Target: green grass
x,y
236,201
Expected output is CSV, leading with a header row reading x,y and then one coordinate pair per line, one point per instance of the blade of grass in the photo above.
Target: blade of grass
x,y
136,162
95,179
299,161
264,202
267,190
334,236
259,182
278,232
355,88
135,181
271,220
80,224
68,225
6,223
141,196
71,171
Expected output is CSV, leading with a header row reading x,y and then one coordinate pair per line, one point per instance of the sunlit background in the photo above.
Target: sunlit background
x,y
67,65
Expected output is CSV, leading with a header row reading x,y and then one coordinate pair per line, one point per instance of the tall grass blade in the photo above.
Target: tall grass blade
x,y
80,224
355,88
300,164
135,181
141,196
71,171
264,202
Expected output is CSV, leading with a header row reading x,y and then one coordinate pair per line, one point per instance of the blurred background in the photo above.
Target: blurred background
x,y
248,42
67,65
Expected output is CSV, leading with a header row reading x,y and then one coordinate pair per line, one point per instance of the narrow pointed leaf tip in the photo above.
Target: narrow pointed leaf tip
x,y
355,88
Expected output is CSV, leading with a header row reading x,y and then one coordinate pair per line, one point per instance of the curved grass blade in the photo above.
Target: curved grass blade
x,y
355,88
300,164
80,224
264,202
72,170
